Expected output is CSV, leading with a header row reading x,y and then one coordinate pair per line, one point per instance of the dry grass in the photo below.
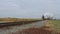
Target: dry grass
x,y
18,19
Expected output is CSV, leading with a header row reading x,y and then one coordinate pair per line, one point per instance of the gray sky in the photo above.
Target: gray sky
x,y
29,8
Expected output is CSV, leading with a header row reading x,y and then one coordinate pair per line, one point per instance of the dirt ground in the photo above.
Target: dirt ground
x,y
43,30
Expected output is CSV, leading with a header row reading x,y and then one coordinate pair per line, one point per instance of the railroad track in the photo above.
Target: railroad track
x,y
4,24
14,29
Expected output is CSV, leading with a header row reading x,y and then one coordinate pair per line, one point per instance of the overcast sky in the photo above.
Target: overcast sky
x,y
29,8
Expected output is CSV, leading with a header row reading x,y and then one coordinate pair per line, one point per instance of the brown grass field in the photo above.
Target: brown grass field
x,y
18,19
